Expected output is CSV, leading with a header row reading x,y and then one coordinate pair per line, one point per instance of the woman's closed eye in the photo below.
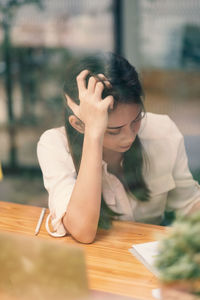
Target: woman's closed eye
x,y
114,132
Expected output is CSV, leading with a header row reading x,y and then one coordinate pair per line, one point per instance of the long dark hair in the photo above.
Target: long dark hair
x,y
125,88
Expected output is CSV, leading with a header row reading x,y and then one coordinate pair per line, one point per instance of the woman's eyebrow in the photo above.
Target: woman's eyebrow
x,y
125,124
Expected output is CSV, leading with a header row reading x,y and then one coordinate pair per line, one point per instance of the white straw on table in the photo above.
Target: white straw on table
x,y
37,229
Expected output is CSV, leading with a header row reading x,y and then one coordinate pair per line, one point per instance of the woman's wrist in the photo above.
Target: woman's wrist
x,y
97,135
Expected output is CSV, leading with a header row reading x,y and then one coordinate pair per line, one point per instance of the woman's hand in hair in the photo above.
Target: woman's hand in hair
x,y
93,110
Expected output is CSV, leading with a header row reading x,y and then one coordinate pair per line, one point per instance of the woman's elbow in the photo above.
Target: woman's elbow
x,y
85,239
82,234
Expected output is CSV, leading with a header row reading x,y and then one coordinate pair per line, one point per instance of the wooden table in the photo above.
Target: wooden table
x,y
111,267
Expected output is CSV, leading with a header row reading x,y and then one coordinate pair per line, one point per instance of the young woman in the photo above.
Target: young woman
x,y
111,160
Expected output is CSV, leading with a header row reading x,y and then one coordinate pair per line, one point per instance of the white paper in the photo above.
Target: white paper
x,y
146,253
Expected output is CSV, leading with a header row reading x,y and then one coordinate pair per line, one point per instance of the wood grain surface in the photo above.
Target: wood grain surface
x,y
111,267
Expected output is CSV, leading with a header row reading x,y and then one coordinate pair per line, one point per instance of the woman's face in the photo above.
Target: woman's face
x,y
123,125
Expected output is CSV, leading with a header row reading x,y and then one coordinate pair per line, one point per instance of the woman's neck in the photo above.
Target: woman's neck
x,y
112,158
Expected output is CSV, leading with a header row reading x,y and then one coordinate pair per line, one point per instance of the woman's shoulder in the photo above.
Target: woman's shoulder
x,y
54,137
158,126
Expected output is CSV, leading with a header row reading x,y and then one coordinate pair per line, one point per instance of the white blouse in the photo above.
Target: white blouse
x,y
167,175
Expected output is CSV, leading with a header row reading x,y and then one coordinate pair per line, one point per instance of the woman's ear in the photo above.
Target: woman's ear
x,y
76,123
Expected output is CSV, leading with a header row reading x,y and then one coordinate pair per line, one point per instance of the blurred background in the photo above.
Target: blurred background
x,y
38,38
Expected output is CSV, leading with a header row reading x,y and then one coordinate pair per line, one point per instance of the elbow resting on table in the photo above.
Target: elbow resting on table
x,y
82,234
85,240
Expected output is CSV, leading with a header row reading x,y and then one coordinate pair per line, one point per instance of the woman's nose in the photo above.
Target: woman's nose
x,y
129,136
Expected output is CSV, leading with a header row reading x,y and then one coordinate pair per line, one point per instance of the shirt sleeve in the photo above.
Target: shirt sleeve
x,y
187,191
59,177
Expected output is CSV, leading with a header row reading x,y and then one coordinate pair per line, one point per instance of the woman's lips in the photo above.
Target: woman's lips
x,y
128,146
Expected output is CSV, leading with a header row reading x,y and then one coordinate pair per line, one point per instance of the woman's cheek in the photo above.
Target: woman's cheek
x,y
137,127
109,140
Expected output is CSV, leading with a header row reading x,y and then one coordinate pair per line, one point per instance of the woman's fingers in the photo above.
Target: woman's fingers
x,y
102,76
92,84
74,107
98,90
81,80
108,102
93,91
105,80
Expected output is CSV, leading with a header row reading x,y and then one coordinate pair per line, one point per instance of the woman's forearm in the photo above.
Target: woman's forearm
x,y
82,215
